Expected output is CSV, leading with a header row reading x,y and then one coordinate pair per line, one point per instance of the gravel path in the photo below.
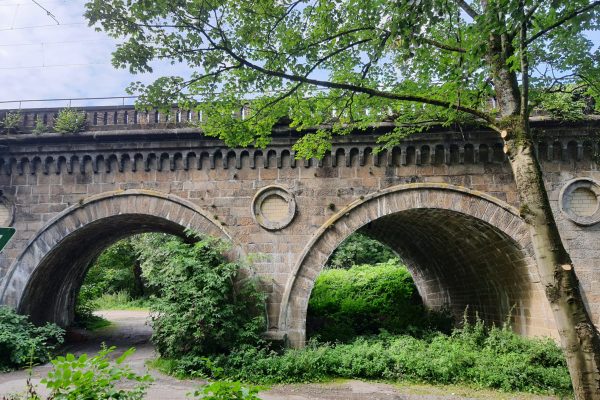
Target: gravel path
x,y
129,329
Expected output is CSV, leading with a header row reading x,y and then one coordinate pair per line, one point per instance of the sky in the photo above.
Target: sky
x,y
40,59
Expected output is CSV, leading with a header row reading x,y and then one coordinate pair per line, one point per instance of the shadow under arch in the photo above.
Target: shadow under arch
x,y
44,280
463,248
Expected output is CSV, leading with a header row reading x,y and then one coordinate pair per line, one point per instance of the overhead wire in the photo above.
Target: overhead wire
x,y
12,28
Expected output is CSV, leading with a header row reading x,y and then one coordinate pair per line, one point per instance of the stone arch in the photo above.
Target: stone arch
x,y
44,280
463,248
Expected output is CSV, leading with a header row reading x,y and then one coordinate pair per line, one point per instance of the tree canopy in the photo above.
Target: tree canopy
x,y
331,66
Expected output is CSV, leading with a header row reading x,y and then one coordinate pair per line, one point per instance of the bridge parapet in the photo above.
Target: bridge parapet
x,y
162,147
102,118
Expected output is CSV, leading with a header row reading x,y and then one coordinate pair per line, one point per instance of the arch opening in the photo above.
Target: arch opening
x,y
45,280
51,292
462,250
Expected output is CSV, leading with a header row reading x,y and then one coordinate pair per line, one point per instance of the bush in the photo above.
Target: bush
x,y
39,126
474,355
69,120
199,310
366,299
11,121
22,343
90,378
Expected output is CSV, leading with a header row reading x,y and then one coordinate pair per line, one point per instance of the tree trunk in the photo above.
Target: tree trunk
x,y
138,282
579,337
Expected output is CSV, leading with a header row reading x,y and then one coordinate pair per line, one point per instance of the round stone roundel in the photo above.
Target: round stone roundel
x,y
273,207
580,200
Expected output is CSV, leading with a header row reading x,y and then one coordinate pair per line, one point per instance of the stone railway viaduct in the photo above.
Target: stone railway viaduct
x,y
445,201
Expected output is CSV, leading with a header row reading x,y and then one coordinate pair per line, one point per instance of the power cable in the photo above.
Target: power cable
x,y
41,26
48,13
55,43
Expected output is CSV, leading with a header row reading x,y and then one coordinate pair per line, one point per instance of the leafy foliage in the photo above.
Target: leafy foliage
x,y
359,249
39,126
11,121
225,389
366,299
94,377
563,106
474,355
345,65
112,272
22,343
89,378
200,309
70,120
114,281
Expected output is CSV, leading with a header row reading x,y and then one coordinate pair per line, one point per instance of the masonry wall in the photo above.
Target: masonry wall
x,y
43,176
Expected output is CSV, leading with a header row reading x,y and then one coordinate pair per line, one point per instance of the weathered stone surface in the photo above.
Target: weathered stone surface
x,y
446,203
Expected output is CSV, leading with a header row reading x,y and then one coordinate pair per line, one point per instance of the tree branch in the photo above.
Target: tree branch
x,y
441,45
561,21
334,85
358,89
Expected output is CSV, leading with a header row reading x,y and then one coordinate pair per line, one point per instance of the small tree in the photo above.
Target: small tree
x,y
11,121
39,126
69,120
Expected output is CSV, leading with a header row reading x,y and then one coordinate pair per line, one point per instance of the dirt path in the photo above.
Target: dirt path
x,y
129,329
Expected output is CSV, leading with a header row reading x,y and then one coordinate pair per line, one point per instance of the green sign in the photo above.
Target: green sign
x,y
5,235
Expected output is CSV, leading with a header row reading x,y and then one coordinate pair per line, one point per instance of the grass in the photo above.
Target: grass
x,y
95,322
120,301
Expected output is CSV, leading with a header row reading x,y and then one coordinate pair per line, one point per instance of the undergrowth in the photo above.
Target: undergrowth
x,y
473,355
120,300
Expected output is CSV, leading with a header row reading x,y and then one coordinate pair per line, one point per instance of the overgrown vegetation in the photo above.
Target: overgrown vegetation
x,y
201,307
115,280
367,322
22,343
360,249
39,126
363,289
473,355
89,378
365,299
69,120
10,123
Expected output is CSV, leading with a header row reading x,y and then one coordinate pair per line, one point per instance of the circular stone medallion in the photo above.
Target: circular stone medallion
x,y
579,201
273,207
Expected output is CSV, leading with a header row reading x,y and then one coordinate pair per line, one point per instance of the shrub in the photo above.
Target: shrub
x,y
39,126
90,378
226,389
11,121
69,120
22,343
474,355
199,310
94,377
366,299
